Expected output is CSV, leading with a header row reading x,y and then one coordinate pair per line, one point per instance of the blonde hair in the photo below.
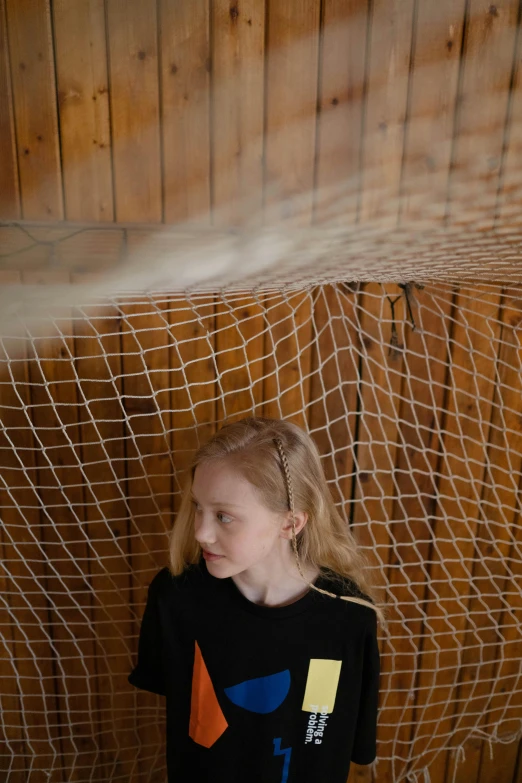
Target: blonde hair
x,y
283,463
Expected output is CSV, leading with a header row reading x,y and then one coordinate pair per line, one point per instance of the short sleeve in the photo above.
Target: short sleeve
x,y
365,741
148,673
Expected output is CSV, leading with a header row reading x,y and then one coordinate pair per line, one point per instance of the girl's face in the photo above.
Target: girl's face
x,y
230,520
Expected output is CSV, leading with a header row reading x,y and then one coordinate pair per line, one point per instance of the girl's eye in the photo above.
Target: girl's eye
x,y
222,517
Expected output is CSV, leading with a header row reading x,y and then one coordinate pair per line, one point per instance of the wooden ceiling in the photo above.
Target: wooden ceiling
x,y
162,111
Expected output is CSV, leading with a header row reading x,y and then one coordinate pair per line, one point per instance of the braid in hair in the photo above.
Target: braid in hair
x,y
288,483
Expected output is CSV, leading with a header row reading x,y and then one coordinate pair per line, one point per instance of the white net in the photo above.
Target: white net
x,y
370,291
413,396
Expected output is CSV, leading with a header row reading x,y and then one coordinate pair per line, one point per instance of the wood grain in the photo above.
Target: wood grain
x,y
238,39
135,113
83,96
10,191
293,51
34,91
185,90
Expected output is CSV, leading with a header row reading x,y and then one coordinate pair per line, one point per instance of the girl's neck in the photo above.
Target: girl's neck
x,y
276,593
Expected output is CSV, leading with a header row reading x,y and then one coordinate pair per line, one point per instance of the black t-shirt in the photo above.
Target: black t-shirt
x,y
255,693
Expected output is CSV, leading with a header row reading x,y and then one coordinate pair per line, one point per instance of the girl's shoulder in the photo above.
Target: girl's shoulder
x,y
344,585
347,588
356,592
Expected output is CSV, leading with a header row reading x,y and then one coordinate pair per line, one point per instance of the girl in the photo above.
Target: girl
x,y
262,631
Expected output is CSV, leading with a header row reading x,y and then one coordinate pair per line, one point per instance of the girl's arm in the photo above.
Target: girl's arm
x,y
148,673
365,742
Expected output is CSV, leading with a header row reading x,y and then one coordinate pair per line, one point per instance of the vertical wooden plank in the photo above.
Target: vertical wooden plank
x,y
134,101
149,463
194,373
340,105
32,69
9,192
456,521
506,699
60,481
332,415
499,509
288,356
517,778
23,565
291,102
483,99
501,767
81,65
433,94
385,113
101,429
510,185
380,342
184,30
238,33
240,328
420,415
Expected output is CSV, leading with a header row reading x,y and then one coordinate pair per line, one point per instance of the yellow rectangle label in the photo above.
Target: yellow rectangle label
x,y
321,685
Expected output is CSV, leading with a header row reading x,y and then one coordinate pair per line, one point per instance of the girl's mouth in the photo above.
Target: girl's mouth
x,y
208,556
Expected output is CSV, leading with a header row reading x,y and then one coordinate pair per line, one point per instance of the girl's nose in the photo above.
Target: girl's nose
x,y
204,529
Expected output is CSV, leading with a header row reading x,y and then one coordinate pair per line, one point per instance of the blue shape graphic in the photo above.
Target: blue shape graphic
x,y
287,752
264,694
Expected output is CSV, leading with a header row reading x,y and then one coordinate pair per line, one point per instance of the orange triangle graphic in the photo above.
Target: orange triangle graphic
x,y
207,722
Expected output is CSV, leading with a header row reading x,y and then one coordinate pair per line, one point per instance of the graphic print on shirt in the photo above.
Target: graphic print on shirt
x,y
263,695
321,687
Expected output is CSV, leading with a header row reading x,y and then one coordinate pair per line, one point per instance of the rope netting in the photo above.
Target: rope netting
x,y
381,310
412,393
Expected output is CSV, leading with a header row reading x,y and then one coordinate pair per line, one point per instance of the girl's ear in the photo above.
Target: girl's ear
x,y
301,518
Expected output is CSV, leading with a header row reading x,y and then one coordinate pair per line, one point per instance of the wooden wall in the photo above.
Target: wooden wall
x,y
420,436
121,112
161,111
